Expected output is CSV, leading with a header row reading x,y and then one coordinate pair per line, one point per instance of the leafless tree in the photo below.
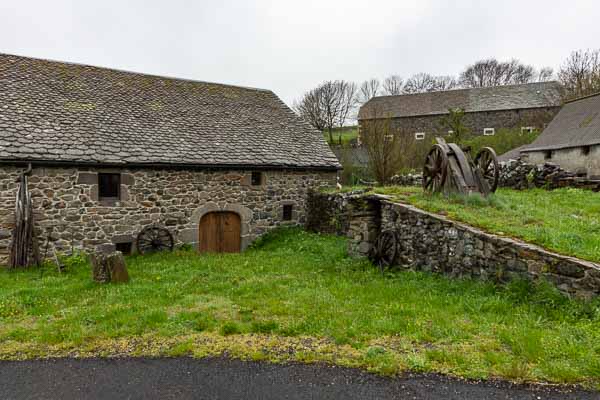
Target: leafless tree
x,y
423,82
492,72
580,73
329,105
369,89
309,108
348,92
545,74
392,85
386,147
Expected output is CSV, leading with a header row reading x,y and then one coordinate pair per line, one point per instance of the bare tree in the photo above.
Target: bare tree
x,y
491,72
545,74
445,82
454,123
423,82
580,73
392,85
329,105
369,89
309,108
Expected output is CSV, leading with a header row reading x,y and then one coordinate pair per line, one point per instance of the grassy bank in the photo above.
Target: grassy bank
x,y
297,296
564,220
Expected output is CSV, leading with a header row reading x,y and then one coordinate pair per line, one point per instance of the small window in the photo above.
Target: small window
x,y
489,131
124,248
450,132
389,138
109,186
527,129
585,150
256,178
287,212
547,154
419,135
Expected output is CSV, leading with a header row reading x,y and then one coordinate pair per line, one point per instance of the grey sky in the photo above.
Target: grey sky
x,y
290,46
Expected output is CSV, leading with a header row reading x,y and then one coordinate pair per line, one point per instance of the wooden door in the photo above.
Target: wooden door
x,y
220,232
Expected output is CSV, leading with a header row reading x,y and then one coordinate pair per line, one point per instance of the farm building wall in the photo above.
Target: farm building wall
x,y
68,211
476,122
575,159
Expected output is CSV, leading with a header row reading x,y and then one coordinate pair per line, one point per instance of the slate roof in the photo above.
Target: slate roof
x,y
577,124
60,112
510,97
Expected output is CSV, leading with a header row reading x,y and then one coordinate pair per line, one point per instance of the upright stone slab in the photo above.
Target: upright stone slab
x,y
109,268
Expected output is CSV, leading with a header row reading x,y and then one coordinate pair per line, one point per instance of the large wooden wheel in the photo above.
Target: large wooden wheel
x,y
385,250
154,238
435,169
487,162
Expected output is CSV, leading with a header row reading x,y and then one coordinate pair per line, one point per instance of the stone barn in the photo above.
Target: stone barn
x,y
115,151
523,107
572,140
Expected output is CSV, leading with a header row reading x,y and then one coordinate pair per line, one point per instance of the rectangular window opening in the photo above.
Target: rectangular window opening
x,y
109,186
287,212
527,129
419,135
124,248
547,154
256,178
585,150
489,131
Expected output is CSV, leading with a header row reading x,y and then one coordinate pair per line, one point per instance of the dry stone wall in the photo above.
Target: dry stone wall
x,y
68,212
433,243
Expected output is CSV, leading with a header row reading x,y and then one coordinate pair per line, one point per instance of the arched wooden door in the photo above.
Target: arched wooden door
x,y
220,232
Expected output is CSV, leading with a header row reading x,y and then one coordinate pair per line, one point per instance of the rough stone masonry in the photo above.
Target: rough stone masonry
x,y
433,243
67,209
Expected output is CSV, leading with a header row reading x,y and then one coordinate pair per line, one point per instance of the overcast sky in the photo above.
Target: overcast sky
x,y
291,46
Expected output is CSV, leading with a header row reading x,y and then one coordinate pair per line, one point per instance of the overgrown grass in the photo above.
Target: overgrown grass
x,y
564,220
297,296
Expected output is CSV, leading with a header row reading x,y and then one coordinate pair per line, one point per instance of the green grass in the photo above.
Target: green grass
x,y
297,296
564,220
346,134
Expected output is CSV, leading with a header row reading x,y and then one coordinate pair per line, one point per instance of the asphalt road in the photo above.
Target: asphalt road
x,y
185,378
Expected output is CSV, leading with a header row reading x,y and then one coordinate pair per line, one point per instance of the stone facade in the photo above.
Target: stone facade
x,y
476,122
68,211
584,160
433,243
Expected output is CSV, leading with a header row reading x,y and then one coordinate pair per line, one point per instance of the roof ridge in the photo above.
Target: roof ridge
x,y
587,96
465,89
173,78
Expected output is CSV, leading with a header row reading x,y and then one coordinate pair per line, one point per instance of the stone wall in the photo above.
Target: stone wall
x,y
583,160
433,243
67,208
476,122
517,174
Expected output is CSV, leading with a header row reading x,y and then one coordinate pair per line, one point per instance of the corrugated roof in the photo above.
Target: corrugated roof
x,y
577,124
61,112
510,97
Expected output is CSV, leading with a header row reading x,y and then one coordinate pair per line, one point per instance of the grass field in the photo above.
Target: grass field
x,y
297,296
345,134
565,220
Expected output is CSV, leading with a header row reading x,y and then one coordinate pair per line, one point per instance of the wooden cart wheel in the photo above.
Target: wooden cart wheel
x,y
385,250
487,161
435,169
154,238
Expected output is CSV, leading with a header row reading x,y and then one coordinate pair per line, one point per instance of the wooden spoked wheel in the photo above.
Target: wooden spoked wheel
x,y
385,250
487,162
153,239
435,169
